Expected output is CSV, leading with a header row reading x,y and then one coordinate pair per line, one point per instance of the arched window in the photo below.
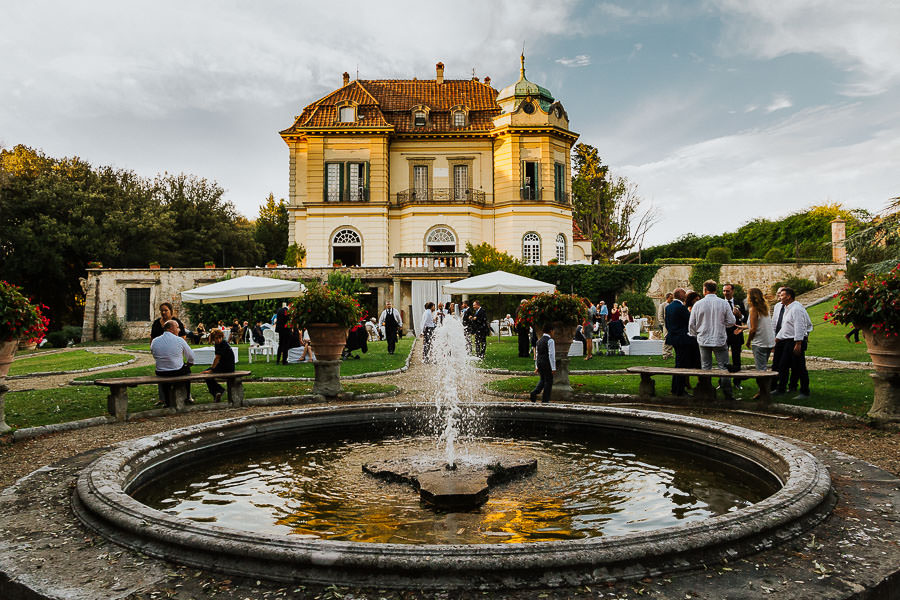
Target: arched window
x,y
440,239
531,248
346,246
561,248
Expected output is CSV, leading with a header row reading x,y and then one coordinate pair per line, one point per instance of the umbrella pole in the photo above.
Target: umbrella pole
x,y
499,297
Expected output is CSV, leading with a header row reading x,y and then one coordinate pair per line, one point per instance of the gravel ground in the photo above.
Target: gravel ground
x,y
51,381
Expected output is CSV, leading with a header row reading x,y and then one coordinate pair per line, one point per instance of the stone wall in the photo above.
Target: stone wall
x,y
105,290
763,276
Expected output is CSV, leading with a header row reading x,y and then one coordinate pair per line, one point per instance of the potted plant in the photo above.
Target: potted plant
x,y
553,262
873,305
94,264
19,319
337,263
271,264
154,266
565,312
327,314
209,265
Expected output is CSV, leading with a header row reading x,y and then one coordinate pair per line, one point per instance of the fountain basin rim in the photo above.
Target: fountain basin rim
x,y
102,503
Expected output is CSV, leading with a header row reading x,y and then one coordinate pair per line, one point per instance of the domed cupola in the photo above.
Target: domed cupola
x,y
524,95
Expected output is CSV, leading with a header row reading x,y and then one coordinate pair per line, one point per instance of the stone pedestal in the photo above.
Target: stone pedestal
x,y
3,426
328,378
563,335
886,405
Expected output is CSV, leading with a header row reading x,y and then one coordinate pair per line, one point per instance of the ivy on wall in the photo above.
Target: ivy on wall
x,y
700,272
597,281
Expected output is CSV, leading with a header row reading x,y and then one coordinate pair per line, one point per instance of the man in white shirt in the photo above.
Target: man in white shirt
x,y
428,326
710,318
391,321
173,357
544,365
791,340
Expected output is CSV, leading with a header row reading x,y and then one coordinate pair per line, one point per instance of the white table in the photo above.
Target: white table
x,y
206,355
644,348
576,349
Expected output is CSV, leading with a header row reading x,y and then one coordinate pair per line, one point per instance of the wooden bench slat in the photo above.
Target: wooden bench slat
x,y
151,379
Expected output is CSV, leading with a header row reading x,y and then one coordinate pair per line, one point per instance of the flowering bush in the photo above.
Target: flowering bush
x,y
873,302
324,304
567,309
19,318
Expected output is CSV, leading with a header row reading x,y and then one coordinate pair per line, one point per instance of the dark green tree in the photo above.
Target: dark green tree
x,y
487,259
271,232
607,209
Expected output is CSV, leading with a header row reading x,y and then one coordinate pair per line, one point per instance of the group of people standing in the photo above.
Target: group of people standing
x,y
474,321
707,328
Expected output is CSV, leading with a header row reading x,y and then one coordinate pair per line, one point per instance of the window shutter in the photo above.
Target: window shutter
x,y
368,192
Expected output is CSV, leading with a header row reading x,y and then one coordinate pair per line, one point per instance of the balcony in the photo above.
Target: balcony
x,y
440,196
450,263
357,195
549,195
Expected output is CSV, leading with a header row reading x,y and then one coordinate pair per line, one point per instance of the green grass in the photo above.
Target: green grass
x,y
848,390
59,405
376,359
828,340
505,355
64,361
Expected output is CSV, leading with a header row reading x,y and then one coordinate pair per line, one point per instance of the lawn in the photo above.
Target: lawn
x,y
64,361
828,340
376,359
847,390
59,405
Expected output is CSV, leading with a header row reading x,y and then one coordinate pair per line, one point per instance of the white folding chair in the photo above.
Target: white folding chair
x,y
269,346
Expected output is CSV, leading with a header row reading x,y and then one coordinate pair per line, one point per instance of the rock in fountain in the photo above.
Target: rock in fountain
x,y
451,485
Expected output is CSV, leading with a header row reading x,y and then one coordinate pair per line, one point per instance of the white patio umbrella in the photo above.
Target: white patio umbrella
x,y
247,287
498,282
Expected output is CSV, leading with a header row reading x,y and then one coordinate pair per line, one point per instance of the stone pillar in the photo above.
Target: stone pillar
x,y
563,336
328,378
886,404
838,236
3,426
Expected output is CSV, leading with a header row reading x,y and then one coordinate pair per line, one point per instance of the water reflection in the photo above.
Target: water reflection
x,y
582,489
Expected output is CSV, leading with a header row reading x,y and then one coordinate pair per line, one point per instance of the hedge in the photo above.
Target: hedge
x,y
597,281
677,261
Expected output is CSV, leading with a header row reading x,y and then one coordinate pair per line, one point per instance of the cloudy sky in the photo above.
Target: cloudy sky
x,y
719,111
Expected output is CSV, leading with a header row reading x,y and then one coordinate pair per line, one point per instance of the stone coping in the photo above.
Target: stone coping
x,y
102,503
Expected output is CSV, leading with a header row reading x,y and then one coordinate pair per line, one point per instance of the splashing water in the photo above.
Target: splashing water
x,y
453,381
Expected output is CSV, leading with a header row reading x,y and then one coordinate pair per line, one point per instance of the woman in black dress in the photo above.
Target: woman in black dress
x,y
222,363
167,313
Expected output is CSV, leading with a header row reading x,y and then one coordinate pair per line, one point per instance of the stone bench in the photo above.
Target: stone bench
x,y
178,389
704,389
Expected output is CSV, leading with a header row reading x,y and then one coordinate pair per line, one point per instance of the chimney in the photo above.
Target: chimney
x,y
346,77
439,75
487,80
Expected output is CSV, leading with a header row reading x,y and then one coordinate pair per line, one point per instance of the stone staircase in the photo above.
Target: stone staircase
x,y
821,294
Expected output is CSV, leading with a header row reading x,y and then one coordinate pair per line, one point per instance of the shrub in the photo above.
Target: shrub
x,y
638,304
873,302
111,327
19,318
774,255
72,333
677,261
57,339
747,261
718,254
323,304
567,309
294,255
800,285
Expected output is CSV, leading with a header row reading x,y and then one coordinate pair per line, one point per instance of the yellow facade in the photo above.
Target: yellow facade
x,y
386,167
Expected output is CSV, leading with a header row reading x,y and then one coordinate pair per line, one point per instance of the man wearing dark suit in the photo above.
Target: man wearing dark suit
x,y
677,318
734,335
480,327
544,365
284,337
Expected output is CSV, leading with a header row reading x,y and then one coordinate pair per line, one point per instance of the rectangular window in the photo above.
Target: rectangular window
x,y
420,119
460,182
459,119
531,189
333,181
420,181
347,115
137,304
357,181
559,182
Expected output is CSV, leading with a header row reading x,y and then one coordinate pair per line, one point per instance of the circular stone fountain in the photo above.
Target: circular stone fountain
x,y
802,498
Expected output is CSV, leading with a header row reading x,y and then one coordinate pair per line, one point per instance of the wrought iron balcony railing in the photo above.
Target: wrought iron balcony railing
x,y
441,196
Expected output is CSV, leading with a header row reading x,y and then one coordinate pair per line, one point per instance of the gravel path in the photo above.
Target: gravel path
x,y
881,448
53,381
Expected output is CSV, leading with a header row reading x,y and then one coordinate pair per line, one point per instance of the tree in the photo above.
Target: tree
x,y
875,248
271,231
607,209
487,259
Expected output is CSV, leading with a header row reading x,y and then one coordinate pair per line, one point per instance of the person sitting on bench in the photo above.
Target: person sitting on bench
x,y
222,363
172,354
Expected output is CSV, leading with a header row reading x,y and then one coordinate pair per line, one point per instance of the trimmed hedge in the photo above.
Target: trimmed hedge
x,y
597,281
718,254
677,261
638,304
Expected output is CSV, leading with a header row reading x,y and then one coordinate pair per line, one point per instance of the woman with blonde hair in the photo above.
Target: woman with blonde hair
x,y
761,337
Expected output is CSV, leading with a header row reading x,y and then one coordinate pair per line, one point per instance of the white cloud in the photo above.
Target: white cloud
x,y
582,60
779,102
810,157
860,37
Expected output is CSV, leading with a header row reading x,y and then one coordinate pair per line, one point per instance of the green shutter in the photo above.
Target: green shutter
x,y
368,192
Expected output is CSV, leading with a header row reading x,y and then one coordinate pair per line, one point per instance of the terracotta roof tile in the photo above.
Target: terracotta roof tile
x,y
577,235
388,102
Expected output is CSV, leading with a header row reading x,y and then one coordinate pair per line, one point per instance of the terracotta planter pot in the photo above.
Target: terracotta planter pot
x,y
885,351
7,352
327,340
23,345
